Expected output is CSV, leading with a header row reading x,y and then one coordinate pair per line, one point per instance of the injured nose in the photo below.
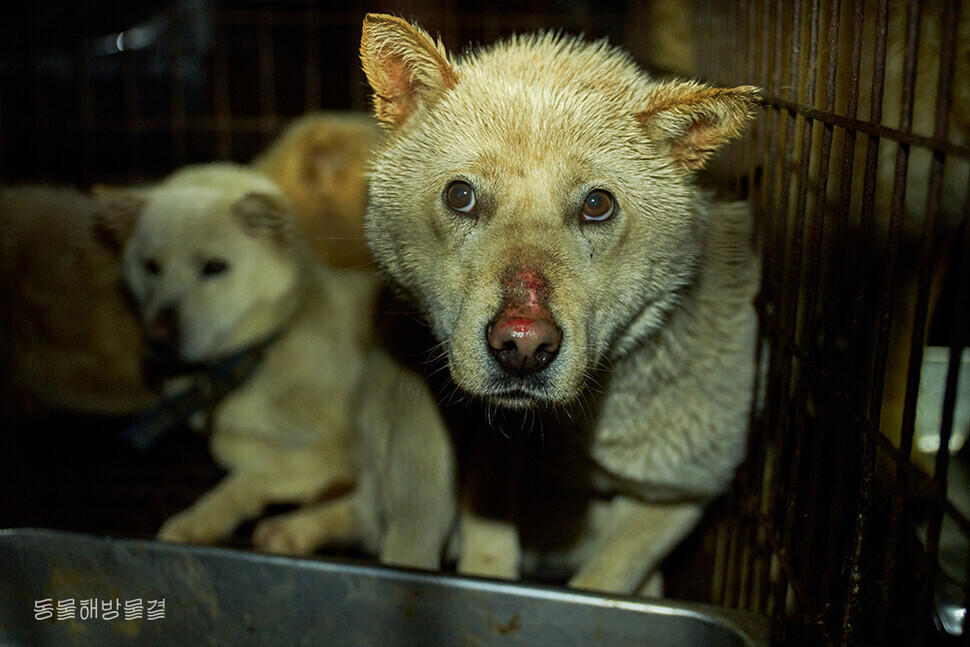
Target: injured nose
x,y
523,345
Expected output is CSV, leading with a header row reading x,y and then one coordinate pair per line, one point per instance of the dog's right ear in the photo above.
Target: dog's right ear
x,y
117,214
403,65
267,215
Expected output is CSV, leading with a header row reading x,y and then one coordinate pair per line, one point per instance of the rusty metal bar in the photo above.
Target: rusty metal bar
x,y
864,506
930,248
869,128
899,504
792,318
843,426
822,434
782,370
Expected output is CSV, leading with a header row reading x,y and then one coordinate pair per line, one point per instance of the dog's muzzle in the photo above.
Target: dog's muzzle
x,y
523,338
162,336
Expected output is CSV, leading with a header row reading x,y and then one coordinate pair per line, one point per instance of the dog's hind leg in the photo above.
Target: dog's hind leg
x,y
637,536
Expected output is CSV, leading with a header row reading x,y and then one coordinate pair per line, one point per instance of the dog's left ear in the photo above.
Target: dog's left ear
x,y
403,65
263,214
693,120
117,214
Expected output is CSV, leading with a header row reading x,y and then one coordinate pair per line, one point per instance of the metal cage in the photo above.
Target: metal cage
x,y
847,526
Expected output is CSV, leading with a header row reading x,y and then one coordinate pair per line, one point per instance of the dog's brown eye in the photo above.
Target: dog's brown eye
x,y
151,266
460,196
599,206
214,266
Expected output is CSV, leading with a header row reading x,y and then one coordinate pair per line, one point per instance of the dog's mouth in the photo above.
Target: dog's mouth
x,y
528,392
515,398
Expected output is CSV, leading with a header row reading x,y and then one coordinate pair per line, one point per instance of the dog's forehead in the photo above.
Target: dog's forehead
x,y
195,216
540,98
557,77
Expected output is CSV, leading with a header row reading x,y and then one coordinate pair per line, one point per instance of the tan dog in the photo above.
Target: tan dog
x,y
320,161
218,267
69,340
534,204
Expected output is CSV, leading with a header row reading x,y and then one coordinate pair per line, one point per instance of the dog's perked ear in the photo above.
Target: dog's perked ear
x,y
267,215
693,120
403,65
117,214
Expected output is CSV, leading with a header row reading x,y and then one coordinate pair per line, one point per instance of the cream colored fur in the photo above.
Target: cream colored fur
x,y
649,391
220,244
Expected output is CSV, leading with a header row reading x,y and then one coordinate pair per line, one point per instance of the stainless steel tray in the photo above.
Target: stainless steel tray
x,y
152,593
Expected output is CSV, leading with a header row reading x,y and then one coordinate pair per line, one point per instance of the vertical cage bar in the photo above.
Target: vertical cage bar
x,y
266,77
221,100
899,506
822,434
790,310
179,112
844,383
773,583
313,62
788,455
855,565
930,246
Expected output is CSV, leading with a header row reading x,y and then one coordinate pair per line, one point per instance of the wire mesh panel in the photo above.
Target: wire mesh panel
x,y
855,527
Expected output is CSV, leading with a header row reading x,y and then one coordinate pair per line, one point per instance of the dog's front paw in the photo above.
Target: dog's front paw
x,y
285,536
189,527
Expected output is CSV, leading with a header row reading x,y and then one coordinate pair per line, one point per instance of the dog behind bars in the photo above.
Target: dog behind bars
x,y
589,308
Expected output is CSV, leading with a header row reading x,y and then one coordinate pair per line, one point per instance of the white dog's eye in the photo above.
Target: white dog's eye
x,y
151,266
214,266
598,206
460,196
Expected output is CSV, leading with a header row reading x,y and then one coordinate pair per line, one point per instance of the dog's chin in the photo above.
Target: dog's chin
x,y
519,393
483,379
516,399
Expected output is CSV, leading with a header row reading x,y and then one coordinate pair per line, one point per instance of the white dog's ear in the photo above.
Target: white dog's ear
x,y
693,120
117,214
403,65
263,214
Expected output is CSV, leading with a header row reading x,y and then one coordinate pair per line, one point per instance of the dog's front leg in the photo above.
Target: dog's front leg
x,y
636,537
303,531
489,547
213,517
290,477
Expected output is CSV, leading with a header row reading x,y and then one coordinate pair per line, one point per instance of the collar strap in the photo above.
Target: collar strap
x,y
208,388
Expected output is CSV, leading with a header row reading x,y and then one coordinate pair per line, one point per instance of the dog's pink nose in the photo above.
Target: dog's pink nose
x,y
523,345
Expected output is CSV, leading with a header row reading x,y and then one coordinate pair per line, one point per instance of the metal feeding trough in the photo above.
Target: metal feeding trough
x,y
65,589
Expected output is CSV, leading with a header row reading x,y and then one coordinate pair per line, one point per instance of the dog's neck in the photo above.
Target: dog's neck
x,y
208,385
